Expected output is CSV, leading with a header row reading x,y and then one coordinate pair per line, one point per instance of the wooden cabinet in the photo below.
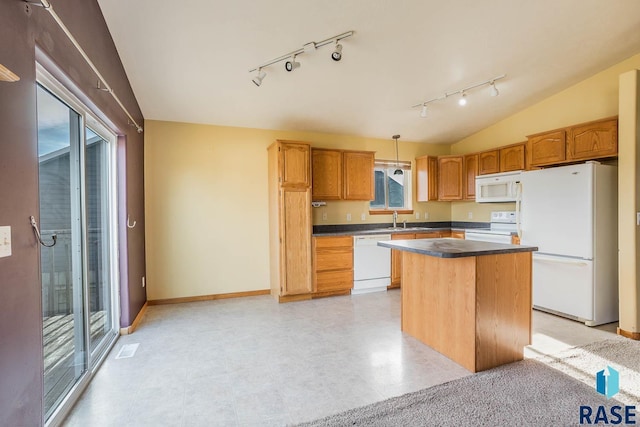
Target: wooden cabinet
x,y
342,175
470,173
426,178
326,173
547,148
332,264
512,157
457,234
289,220
396,256
489,162
450,177
294,165
358,175
593,140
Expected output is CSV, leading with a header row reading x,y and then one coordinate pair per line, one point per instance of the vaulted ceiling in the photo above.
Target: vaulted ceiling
x,y
189,60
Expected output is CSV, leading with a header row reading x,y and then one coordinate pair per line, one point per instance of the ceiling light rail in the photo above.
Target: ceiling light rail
x,y
463,94
290,58
102,83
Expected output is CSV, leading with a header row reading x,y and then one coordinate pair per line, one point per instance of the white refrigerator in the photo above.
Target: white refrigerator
x,y
571,214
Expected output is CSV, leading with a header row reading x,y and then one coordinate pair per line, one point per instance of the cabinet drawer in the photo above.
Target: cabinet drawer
x,y
337,259
334,242
334,280
429,235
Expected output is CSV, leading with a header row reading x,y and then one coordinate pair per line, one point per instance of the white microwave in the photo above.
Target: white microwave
x,y
498,187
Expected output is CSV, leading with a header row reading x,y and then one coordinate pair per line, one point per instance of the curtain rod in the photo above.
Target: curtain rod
x,y
47,6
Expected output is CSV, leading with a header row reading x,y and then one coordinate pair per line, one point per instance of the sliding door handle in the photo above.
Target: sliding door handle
x,y
34,224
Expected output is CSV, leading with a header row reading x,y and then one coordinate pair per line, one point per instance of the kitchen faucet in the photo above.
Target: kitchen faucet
x,y
395,218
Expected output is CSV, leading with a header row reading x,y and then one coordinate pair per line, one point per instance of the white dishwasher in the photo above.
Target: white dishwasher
x,y
371,264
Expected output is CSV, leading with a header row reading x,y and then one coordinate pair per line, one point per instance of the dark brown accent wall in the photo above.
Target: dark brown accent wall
x,y
20,293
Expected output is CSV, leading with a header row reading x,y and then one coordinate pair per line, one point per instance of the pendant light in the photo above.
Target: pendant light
x,y
398,171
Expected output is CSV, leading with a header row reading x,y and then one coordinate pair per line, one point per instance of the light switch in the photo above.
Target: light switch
x,y
348,217
5,241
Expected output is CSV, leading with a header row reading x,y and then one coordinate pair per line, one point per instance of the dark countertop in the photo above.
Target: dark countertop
x,y
384,228
454,248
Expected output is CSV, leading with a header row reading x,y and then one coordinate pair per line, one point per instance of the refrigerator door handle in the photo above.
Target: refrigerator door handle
x,y
576,262
518,207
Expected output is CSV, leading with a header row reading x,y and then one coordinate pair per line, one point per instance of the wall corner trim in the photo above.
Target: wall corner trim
x,y
136,322
630,335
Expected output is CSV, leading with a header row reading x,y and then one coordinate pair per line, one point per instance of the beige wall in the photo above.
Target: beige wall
x,y
629,201
206,204
206,191
591,99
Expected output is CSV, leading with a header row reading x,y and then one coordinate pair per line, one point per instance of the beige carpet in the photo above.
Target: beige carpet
x,y
534,392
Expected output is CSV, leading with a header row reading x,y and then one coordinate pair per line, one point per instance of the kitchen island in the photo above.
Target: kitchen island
x,y
470,301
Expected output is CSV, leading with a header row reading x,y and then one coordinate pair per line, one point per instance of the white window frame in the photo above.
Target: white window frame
x,y
388,166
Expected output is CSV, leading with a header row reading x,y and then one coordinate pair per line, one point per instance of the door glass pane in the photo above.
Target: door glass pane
x,y
98,262
61,265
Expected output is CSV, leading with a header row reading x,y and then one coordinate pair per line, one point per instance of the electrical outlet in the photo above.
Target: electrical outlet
x,y
426,215
417,215
5,241
324,216
348,217
363,217
470,215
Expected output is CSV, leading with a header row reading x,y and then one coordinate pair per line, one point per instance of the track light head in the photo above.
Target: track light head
x,y
257,80
291,64
336,55
494,90
423,112
463,99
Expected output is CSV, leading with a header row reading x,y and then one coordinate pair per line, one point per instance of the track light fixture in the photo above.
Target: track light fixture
x,y
336,55
257,80
291,64
463,94
463,99
290,57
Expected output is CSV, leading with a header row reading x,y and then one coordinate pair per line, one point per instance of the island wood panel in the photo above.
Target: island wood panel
x,y
438,304
503,308
474,310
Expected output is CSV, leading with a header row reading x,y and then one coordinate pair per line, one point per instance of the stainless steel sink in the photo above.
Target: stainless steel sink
x,y
405,229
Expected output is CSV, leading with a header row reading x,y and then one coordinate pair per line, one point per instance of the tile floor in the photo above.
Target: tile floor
x,y
251,361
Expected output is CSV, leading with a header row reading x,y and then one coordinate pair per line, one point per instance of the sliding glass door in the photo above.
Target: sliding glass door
x,y
79,308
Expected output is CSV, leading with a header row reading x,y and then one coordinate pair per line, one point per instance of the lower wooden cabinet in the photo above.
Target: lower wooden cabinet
x,y
332,264
457,234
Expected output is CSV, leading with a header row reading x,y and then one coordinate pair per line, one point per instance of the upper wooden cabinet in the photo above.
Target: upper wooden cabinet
x,y
584,141
342,175
512,157
426,178
489,162
547,148
326,172
470,173
450,177
593,140
358,175
294,164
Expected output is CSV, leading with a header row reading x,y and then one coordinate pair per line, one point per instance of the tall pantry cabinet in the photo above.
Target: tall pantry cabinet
x,y
290,224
